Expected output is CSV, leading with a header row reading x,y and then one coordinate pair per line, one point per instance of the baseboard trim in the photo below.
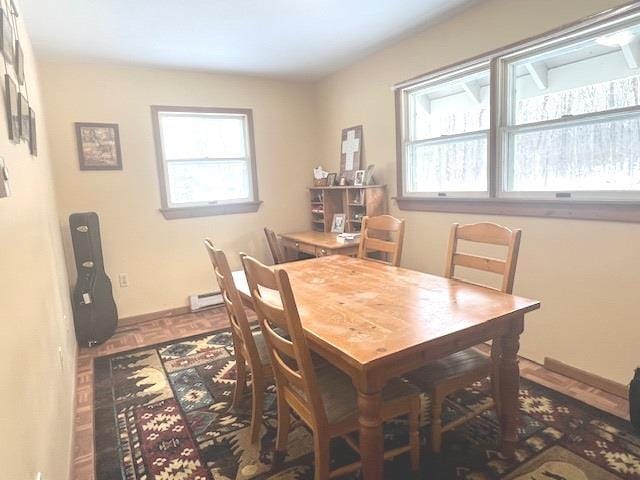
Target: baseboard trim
x,y
145,317
588,378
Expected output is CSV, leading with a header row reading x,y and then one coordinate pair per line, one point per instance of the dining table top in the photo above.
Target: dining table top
x,y
368,312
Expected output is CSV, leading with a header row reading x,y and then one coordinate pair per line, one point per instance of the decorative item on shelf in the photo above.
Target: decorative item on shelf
x,y
358,216
368,176
357,199
331,179
343,181
33,137
19,63
98,146
8,39
338,223
23,111
11,105
358,179
319,177
351,151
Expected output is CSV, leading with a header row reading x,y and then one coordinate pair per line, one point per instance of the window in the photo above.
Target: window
x,y
206,161
573,122
447,135
547,127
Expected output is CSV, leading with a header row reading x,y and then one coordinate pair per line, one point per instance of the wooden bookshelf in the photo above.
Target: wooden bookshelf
x,y
354,202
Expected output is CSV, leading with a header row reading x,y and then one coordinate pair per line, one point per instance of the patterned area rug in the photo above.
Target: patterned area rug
x,y
162,413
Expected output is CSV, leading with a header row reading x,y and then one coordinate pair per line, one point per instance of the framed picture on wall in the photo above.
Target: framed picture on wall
x,y
98,146
11,107
33,137
19,63
23,110
8,40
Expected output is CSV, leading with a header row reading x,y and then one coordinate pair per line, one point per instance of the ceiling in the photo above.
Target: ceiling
x,y
284,38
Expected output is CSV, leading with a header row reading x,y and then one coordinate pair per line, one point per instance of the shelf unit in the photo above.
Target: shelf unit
x,y
354,202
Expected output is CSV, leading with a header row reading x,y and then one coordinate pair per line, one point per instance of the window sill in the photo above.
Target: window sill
x,y
210,210
614,211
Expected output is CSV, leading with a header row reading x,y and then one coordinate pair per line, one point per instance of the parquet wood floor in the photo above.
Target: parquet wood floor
x,y
172,328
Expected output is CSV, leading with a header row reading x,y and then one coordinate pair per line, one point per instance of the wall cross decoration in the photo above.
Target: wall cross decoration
x,y
351,150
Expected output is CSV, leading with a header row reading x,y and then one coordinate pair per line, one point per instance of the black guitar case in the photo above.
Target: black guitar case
x,y
95,314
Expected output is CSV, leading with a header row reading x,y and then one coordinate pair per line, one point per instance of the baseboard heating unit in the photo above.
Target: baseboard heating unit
x,y
205,301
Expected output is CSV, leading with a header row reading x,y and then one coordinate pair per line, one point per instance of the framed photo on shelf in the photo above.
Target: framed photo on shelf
x,y
8,39
358,179
98,146
331,179
338,223
23,110
11,106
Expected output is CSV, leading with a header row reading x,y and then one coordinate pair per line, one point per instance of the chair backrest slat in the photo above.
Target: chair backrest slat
x,y
477,262
241,331
274,246
376,236
489,234
280,323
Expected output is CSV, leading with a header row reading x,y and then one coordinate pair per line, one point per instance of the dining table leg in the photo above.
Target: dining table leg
x,y
371,438
509,374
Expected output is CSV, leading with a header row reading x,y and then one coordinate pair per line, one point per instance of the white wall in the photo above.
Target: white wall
x,y
36,405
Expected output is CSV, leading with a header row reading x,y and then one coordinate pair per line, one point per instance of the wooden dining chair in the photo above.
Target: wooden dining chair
x,y
324,398
249,347
274,246
459,370
383,234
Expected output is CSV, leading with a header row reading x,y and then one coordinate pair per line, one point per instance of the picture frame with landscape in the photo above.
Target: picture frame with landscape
x,y
99,146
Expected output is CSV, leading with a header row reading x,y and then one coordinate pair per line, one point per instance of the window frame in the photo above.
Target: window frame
x,y
406,132
173,211
580,205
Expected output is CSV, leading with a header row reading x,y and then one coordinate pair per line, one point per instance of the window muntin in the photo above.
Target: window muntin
x,y
207,157
572,123
447,127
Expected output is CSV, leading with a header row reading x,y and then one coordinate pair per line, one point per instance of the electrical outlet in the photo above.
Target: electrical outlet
x,y
61,358
123,279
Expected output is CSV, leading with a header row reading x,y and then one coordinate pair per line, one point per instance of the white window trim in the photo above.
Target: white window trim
x,y
407,114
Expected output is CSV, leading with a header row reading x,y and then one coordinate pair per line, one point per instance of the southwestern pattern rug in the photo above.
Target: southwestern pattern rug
x,y
163,413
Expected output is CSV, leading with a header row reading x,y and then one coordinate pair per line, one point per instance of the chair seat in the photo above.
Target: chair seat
x,y
340,397
469,362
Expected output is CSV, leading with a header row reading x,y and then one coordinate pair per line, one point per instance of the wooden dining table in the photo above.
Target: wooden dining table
x,y
376,322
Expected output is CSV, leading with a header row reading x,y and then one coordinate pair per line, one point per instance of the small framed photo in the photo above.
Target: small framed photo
x,y
19,63
33,137
23,109
331,179
358,178
11,106
99,146
339,220
8,39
